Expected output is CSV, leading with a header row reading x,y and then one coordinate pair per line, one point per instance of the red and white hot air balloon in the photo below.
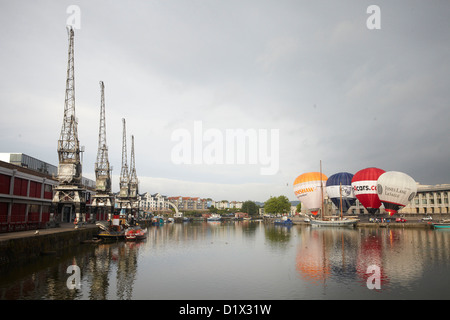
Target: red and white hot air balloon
x,y
308,188
395,190
364,184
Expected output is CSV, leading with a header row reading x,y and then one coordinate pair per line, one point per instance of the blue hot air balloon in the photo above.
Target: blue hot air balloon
x,y
340,191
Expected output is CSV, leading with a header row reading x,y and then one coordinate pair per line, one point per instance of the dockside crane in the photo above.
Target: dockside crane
x,y
103,200
69,198
133,182
123,200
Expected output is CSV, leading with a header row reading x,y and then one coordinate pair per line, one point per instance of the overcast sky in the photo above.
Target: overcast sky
x,y
336,91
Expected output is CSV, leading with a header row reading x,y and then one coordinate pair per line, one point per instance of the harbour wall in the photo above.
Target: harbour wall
x,y
18,250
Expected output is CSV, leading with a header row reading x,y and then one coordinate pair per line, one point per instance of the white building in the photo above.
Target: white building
x,y
154,202
429,200
225,204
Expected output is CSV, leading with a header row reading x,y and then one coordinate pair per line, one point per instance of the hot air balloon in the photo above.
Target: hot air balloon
x,y
340,191
395,190
308,189
364,184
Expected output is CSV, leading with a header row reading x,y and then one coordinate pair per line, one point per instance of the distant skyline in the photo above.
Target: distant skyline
x,y
334,89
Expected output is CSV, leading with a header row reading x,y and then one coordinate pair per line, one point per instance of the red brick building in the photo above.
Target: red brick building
x,y
25,198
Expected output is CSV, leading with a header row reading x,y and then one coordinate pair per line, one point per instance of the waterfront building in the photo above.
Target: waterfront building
x,y
189,203
241,215
236,204
25,161
429,200
154,203
26,192
25,197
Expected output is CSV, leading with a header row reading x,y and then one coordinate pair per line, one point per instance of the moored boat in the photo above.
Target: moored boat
x,y
285,221
157,221
444,224
135,234
338,222
214,217
110,231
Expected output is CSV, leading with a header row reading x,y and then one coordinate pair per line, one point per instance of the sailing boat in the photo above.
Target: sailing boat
x,y
334,221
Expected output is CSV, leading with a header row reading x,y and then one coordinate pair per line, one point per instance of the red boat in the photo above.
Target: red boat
x,y
135,234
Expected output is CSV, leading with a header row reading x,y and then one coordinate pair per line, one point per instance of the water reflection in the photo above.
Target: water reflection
x,y
404,257
244,260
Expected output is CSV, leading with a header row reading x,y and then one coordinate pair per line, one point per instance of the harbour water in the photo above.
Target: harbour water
x,y
244,261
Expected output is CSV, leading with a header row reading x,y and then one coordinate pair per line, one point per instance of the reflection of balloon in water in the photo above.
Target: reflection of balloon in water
x,y
307,188
312,261
336,183
364,184
395,190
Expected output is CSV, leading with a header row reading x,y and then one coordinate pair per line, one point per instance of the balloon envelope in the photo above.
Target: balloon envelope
x,y
364,184
395,190
307,188
339,187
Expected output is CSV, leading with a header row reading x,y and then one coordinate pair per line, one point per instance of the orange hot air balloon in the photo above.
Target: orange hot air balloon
x,y
308,188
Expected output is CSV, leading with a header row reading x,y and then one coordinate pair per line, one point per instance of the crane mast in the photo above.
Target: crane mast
x,y
134,182
133,177
69,196
69,170
102,168
123,201
124,177
103,200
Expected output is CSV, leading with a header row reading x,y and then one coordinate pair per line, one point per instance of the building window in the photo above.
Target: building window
x,y
45,213
20,187
35,189
48,193
18,212
5,182
3,211
33,213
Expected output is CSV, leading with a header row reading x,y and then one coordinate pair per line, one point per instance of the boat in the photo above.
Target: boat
x,y
285,221
135,233
110,231
214,217
338,222
444,224
157,221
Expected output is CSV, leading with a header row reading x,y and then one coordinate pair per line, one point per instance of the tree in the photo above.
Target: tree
x,y
299,207
277,205
213,209
250,207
